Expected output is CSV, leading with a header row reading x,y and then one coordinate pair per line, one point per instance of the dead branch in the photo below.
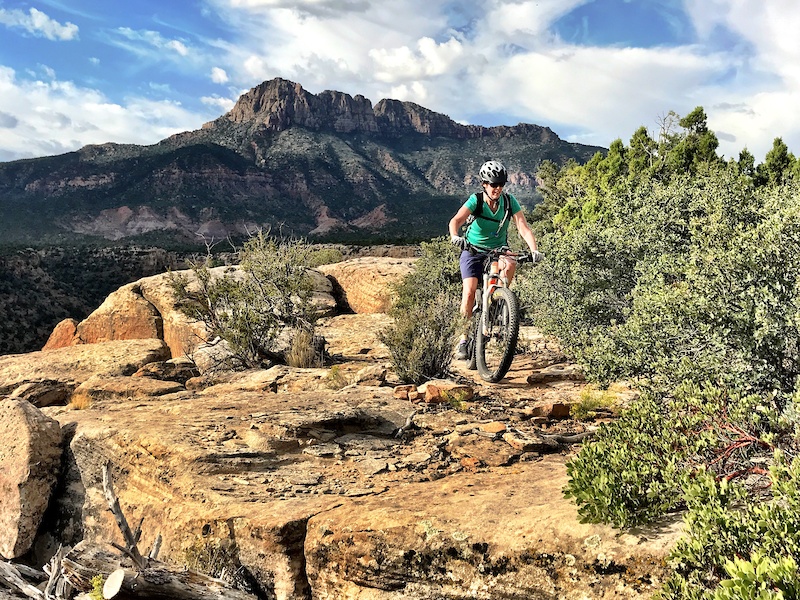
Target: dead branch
x,y
13,579
57,586
157,581
131,539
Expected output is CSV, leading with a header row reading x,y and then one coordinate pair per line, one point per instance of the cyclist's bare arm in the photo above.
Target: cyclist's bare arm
x,y
525,231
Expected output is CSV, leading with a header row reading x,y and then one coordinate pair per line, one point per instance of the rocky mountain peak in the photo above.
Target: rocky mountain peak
x,y
279,104
329,165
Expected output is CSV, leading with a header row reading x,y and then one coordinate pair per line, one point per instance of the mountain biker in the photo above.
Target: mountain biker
x,y
488,230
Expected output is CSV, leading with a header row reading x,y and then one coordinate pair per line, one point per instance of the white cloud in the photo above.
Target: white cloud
x,y
53,117
498,61
224,104
146,42
178,47
219,75
39,24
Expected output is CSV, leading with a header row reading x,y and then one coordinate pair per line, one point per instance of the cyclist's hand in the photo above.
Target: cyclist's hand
x,y
533,257
458,241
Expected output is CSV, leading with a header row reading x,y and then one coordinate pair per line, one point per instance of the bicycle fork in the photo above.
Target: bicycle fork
x,y
491,282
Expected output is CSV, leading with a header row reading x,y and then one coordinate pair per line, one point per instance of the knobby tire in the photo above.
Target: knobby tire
x,y
496,340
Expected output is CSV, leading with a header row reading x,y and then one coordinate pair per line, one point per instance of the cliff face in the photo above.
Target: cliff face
x,y
322,165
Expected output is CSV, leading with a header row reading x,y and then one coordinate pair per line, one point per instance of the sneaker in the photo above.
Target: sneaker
x,y
462,351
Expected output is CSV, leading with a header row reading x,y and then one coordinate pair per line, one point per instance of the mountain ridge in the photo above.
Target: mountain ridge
x,y
330,166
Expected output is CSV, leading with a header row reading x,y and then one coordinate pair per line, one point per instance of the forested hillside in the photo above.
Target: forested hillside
x,y
39,288
671,267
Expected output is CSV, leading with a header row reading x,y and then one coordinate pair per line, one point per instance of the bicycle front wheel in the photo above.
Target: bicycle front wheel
x,y
496,339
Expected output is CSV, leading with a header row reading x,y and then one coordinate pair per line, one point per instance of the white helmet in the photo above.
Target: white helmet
x,y
494,172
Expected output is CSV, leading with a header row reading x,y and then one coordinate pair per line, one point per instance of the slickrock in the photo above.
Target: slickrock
x,y
333,482
72,365
30,455
365,283
502,533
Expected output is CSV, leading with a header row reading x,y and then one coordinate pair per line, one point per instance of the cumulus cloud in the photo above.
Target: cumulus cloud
x,y
39,24
53,117
502,60
219,75
224,104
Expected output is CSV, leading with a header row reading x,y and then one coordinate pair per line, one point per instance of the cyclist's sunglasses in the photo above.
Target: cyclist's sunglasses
x,y
494,185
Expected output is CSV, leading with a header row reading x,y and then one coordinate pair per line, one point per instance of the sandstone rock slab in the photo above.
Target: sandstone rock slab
x,y
492,534
365,283
71,365
30,456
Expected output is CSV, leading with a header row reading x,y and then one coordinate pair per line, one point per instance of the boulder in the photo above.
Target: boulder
x,y
64,334
148,308
365,283
30,453
124,315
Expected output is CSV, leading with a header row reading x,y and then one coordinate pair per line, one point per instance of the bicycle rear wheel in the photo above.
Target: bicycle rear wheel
x,y
496,339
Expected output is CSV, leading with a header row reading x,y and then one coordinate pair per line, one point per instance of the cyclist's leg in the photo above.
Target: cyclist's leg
x,y
508,268
471,266
468,289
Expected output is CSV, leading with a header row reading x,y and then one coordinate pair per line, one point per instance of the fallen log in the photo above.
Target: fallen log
x,y
156,581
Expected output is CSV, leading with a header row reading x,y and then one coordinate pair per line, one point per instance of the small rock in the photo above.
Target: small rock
x,y
493,427
401,392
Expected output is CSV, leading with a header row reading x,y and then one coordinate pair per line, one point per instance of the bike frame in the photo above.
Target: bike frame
x,y
492,281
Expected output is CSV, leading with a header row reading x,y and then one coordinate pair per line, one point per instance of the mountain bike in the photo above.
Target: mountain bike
x,y
494,329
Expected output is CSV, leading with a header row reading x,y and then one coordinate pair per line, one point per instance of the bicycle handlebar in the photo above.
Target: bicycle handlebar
x,y
520,257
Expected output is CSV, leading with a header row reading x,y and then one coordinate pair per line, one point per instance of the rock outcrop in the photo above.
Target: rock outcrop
x,y
365,283
54,374
30,454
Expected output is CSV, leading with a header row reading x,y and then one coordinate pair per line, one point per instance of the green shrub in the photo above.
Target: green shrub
x,y
426,315
96,593
722,526
336,379
636,469
324,256
759,578
248,309
590,400
691,278
422,339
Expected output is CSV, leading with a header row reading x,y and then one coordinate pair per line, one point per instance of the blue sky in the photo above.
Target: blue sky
x,y
77,72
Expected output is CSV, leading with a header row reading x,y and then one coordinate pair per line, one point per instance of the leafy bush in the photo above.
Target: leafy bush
x,y
426,315
672,268
422,338
639,466
722,527
687,279
249,308
590,400
324,256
